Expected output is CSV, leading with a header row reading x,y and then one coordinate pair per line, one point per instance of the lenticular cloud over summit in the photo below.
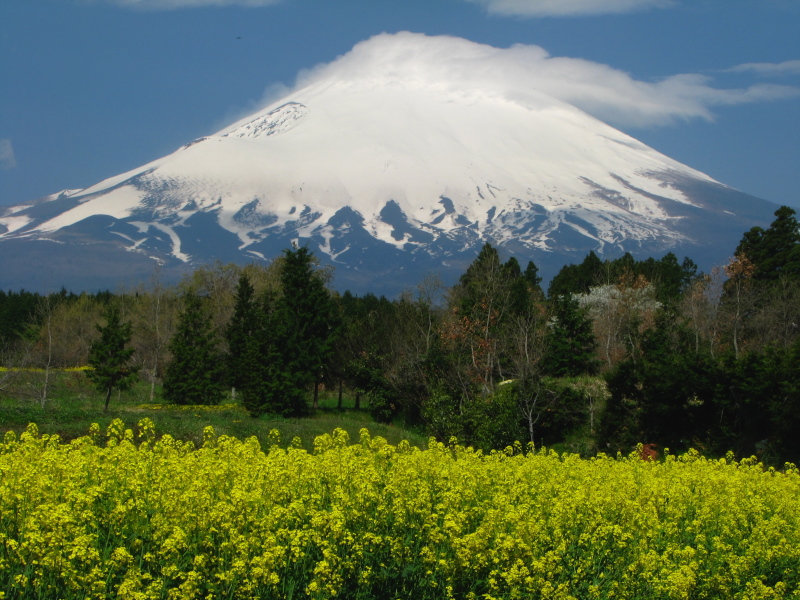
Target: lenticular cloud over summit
x,y
604,92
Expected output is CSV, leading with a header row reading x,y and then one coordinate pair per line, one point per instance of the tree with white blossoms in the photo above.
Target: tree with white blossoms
x,y
620,313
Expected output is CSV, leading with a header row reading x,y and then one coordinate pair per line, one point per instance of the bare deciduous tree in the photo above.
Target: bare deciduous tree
x,y
739,298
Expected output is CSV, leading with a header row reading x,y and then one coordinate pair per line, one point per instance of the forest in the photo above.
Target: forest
x,y
613,354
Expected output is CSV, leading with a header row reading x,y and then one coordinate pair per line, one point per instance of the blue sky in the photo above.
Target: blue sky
x,y
93,88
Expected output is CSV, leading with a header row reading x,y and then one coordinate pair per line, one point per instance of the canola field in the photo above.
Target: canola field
x,y
125,515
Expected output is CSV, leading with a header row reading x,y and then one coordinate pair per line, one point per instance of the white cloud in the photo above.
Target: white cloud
x,y
7,158
601,90
789,67
175,4
567,8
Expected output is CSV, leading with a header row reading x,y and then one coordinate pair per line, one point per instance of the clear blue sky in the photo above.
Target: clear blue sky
x,y
93,88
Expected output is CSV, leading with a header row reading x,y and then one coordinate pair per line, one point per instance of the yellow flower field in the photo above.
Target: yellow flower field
x,y
124,515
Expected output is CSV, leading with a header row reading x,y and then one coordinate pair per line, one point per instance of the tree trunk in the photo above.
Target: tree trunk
x,y
339,403
108,398
531,423
44,387
49,355
316,395
358,400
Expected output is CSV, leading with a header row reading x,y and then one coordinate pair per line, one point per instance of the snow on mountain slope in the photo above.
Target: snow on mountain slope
x,y
400,161
365,144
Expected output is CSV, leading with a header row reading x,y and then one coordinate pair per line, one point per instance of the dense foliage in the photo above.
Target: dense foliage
x,y
278,346
618,352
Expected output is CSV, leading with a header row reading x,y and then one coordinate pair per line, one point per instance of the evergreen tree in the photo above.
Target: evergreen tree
x,y
523,286
305,328
511,269
622,267
17,312
663,396
669,277
109,356
577,279
268,386
531,275
571,343
483,279
776,250
195,374
246,338
241,335
784,408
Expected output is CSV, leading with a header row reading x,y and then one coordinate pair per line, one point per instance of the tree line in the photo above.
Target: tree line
x,y
613,353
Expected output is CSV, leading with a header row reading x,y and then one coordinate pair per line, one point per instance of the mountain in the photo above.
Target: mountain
x,y
387,174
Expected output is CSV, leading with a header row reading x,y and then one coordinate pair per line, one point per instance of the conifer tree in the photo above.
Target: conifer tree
x,y
571,343
272,387
531,275
194,376
242,336
774,251
255,347
483,277
577,279
305,327
524,287
109,356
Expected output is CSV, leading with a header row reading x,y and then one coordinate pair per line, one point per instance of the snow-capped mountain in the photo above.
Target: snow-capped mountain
x,y
387,174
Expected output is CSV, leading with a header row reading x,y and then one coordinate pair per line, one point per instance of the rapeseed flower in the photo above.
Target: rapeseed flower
x,y
134,516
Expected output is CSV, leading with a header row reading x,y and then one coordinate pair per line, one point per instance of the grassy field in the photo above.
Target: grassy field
x,y
73,405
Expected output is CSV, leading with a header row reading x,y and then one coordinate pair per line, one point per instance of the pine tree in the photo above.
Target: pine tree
x,y
273,387
531,275
109,356
255,347
571,343
774,251
577,279
194,376
524,287
305,327
483,277
242,335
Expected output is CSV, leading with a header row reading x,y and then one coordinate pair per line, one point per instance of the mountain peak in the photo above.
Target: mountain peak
x,y
392,162
277,120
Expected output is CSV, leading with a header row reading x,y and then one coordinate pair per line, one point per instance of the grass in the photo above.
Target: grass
x,y
73,405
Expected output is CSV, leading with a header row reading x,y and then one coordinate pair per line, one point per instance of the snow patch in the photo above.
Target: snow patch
x,y
141,226
14,222
118,204
176,241
135,243
276,121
